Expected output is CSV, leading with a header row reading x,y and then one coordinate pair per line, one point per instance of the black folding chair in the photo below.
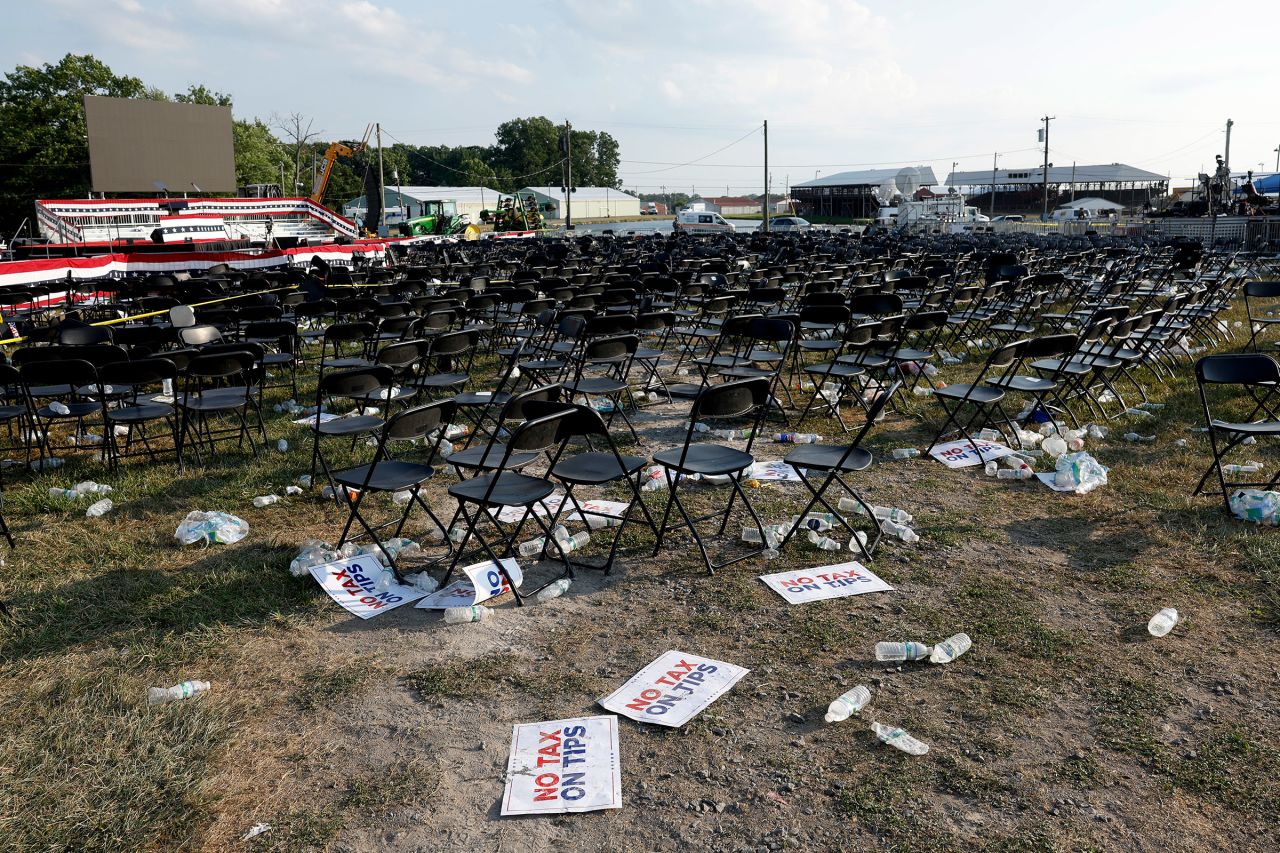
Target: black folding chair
x,y
385,473
830,461
213,385
482,497
745,398
141,382
1258,375
593,468
360,384
970,406
1260,320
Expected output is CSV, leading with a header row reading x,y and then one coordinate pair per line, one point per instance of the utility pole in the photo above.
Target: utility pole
x,y
1277,150
995,155
568,171
1226,154
382,208
766,176
1073,182
1045,213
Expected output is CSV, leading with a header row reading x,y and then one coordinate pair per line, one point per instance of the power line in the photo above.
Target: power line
x,y
705,156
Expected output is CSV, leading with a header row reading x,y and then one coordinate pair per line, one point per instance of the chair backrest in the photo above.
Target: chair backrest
x,y
729,400
84,335
418,422
182,316
137,374
356,382
1048,346
1237,369
74,372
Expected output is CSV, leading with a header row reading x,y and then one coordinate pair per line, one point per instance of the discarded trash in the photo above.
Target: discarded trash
x,y
773,534
901,651
899,739
1163,622
1054,446
1141,414
905,453
465,615
1134,438
906,534
100,508
553,590
826,543
884,513
922,391
1080,473
313,553
422,581
988,435
305,481
185,690
292,490
1150,406
256,830
797,438
210,527
282,445
1249,467
1182,442
1256,505
846,705
46,463
401,498
59,408
1097,431
950,649
265,500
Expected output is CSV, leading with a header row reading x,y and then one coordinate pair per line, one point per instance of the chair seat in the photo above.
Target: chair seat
x,y
1262,428
489,457
746,371
964,391
834,369
1054,365
593,468
481,398
510,488
542,365
705,459
827,457
647,353
909,354
343,363
140,413
8,413
596,385
211,402
351,425
1030,384
76,410
442,380
867,360
388,475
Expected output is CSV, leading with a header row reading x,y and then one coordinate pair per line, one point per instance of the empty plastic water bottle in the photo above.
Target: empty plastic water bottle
x,y
906,534
1150,406
59,408
950,649
922,391
987,434
847,704
797,438
1097,431
1246,468
553,590
64,493
905,453
292,490
826,543
1054,446
265,500
1141,414
901,651
185,690
991,468
533,547
1163,622
576,542
774,533
899,739
599,522
88,487
282,446
465,615
100,508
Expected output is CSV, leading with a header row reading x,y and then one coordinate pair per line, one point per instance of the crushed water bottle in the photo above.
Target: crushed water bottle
x,y
553,590
1262,507
846,705
1079,472
1141,414
265,500
59,408
899,739
1054,446
185,690
1134,438
1097,431
905,453
950,649
466,615
1163,622
901,651
210,527
99,509
987,434
292,490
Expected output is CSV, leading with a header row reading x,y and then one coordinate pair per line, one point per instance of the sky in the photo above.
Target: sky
x,y
686,85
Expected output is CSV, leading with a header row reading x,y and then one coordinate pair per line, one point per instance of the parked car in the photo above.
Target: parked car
x,y
1010,217
701,222
789,223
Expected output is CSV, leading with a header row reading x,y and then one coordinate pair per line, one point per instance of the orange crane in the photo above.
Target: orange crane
x,y
335,151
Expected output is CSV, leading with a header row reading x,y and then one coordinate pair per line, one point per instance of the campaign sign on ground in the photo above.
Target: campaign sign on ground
x,y
962,454
563,766
673,689
825,582
483,581
353,583
513,514
773,470
317,419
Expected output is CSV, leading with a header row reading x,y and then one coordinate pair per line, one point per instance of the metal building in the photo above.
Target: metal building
x,y
852,194
403,203
1022,189
588,202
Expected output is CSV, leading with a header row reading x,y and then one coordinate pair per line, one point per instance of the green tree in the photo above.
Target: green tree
x,y
42,130
258,153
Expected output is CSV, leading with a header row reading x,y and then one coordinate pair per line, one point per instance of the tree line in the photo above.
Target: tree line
x,y
46,152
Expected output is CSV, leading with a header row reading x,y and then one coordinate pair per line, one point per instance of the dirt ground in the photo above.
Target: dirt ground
x,y
1067,727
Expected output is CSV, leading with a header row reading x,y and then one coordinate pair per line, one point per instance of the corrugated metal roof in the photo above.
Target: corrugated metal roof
x,y
482,195
582,193
869,177
1104,172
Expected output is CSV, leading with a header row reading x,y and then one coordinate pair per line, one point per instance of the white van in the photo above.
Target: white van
x,y
701,222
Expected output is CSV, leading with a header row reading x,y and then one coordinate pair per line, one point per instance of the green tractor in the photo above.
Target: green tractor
x,y
518,213
439,218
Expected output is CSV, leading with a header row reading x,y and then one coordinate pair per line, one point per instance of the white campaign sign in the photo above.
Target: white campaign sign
x,y
825,582
513,514
772,470
962,454
483,582
564,766
353,583
673,689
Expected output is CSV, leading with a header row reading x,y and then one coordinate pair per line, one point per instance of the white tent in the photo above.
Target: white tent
x,y
1094,206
